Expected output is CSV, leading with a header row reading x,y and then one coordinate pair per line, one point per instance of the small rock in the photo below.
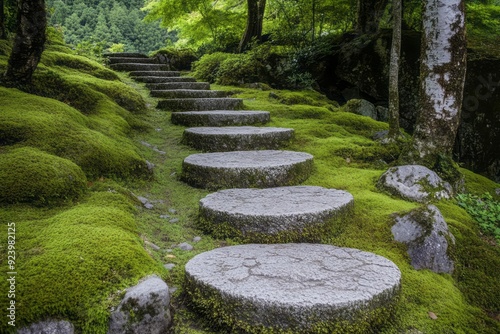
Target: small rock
x,y
169,266
169,250
361,107
142,199
158,129
426,233
382,113
415,183
172,289
172,211
144,309
146,144
152,245
380,134
164,216
185,246
150,165
196,239
148,206
159,151
432,315
49,327
174,220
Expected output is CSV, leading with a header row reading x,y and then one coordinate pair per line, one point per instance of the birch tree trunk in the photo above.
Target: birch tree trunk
x,y
28,43
255,18
442,77
394,71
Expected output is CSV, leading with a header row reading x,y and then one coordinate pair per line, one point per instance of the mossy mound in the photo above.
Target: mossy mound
x,y
30,175
58,129
71,264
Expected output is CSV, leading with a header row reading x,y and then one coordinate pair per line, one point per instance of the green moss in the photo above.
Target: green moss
x,y
29,175
5,47
57,129
70,263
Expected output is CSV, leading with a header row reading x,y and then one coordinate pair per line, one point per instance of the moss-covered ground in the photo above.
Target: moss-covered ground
x,y
75,256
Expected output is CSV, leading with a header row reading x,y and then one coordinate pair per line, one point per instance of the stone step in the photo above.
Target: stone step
x,y
149,79
220,118
246,169
236,138
283,214
197,104
155,73
293,288
129,67
120,60
179,85
188,93
125,54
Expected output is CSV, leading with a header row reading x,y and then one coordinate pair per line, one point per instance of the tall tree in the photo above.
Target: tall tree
x,y
28,43
369,14
255,18
3,31
394,71
442,76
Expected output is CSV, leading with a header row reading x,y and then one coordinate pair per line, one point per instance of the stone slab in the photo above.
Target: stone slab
x,y
220,117
294,288
125,54
179,85
128,67
246,169
252,212
188,93
155,73
200,104
117,60
237,138
162,79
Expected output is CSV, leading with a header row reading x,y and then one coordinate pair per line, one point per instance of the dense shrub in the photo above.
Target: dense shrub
x,y
176,59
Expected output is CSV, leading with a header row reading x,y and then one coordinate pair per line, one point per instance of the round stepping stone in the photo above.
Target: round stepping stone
x,y
179,85
155,73
188,93
160,79
246,169
138,67
193,104
294,288
288,214
236,138
140,60
220,118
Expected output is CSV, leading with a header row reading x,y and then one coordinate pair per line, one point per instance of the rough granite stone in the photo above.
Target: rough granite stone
x,y
155,73
415,183
178,85
236,138
274,210
292,287
197,104
49,327
141,60
426,233
220,118
361,107
144,309
185,246
162,79
246,169
138,67
188,93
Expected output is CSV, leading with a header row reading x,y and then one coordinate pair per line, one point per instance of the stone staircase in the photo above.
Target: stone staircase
x,y
274,282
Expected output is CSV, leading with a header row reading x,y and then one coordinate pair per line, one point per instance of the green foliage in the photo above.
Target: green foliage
x,y
484,210
207,67
483,25
32,176
179,59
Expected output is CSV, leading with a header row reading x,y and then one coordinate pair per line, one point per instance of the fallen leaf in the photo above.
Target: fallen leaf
x,y
432,315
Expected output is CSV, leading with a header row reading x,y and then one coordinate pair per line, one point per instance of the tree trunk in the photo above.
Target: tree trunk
x,y
29,41
442,77
394,71
255,19
3,31
369,14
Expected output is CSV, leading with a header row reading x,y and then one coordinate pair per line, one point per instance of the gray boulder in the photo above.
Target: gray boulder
x,y
415,183
426,233
49,327
361,107
144,309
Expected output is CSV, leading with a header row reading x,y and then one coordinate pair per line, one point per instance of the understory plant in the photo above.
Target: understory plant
x,y
485,210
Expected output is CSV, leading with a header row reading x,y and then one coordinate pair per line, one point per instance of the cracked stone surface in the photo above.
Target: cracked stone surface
x,y
220,118
415,183
247,169
274,210
194,104
237,138
293,286
49,327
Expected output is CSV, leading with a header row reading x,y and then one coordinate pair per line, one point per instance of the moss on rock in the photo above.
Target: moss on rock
x,y
32,176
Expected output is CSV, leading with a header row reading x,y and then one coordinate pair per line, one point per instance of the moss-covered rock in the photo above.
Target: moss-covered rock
x,y
32,176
